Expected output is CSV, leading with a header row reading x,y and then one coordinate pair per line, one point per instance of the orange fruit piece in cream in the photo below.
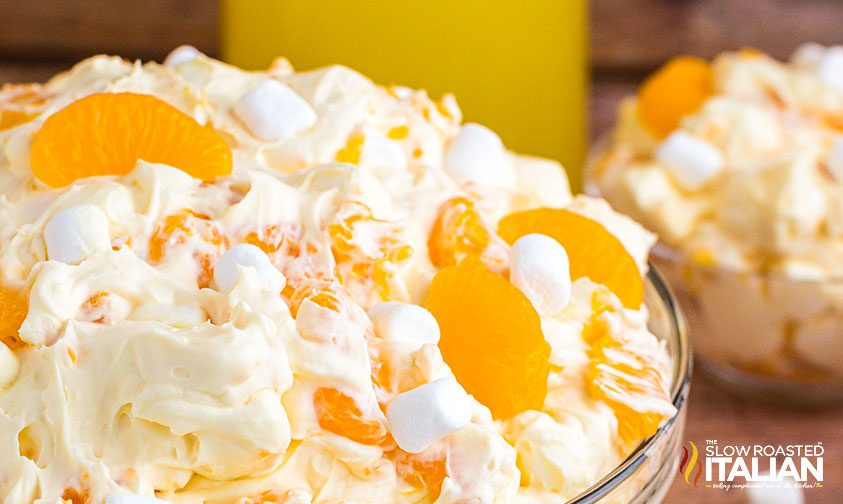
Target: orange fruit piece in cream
x,y
677,89
176,230
107,133
19,104
322,291
338,412
422,471
460,232
491,337
13,309
629,376
274,239
592,250
374,261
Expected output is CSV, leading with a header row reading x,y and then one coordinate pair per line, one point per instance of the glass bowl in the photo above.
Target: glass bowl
x,y
648,472
768,337
764,337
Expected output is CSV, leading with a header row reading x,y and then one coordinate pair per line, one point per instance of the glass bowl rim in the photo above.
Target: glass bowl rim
x,y
680,387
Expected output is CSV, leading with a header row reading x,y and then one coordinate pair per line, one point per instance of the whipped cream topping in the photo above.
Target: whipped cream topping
x,y
141,369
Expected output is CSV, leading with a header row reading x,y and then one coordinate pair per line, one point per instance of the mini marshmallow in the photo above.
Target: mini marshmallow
x,y
248,256
808,55
477,155
383,155
834,160
773,492
181,54
830,70
404,322
692,161
74,234
539,268
9,366
129,498
273,111
402,92
421,416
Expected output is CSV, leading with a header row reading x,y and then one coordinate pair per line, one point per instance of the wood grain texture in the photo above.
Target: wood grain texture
x,y
69,30
638,35
713,414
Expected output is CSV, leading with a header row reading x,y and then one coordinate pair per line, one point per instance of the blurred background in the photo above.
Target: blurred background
x,y
546,74
523,68
511,64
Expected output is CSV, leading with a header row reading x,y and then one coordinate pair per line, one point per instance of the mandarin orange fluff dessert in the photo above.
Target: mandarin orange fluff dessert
x,y
243,287
737,164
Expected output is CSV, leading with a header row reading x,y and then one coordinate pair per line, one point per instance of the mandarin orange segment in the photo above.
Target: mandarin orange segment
x,y
366,266
20,103
626,373
677,89
337,412
95,309
11,118
381,373
353,149
398,133
275,239
593,251
178,228
107,133
73,495
325,292
491,337
422,471
13,309
459,232
293,495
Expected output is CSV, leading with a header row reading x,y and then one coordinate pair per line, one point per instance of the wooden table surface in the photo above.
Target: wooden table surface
x,y
712,414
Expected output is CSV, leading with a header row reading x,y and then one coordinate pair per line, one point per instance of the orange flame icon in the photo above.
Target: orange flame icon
x,y
686,466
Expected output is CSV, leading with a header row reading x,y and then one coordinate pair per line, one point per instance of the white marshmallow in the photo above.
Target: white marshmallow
x,y
181,54
834,160
404,322
692,161
74,234
539,268
477,155
248,256
826,62
830,70
420,416
772,492
402,92
382,155
128,498
808,55
273,111
9,366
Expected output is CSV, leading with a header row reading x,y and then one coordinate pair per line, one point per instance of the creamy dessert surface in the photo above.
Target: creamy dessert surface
x,y
745,190
773,200
144,365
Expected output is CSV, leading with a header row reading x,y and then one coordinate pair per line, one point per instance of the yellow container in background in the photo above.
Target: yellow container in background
x,y
518,67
